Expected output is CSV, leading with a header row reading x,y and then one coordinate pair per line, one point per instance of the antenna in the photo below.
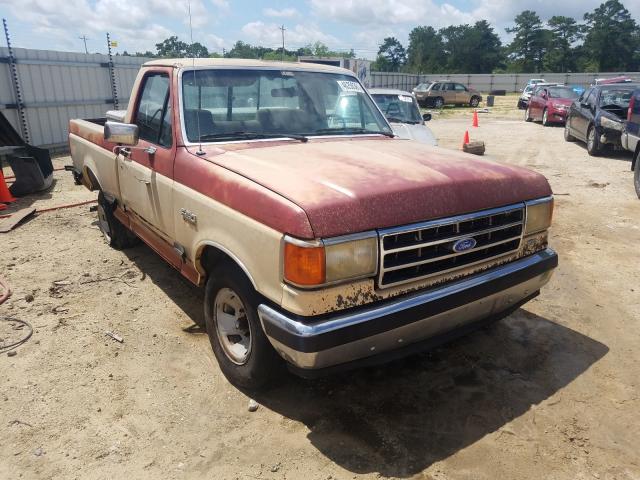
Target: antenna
x,y
193,63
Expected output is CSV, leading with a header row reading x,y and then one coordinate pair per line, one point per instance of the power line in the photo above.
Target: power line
x,y
282,29
84,38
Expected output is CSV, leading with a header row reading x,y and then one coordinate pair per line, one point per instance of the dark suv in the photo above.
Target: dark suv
x,y
598,116
630,138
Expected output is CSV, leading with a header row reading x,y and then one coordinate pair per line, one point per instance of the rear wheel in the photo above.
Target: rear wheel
x,y
567,133
636,174
527,115
593,142
239,344
115,233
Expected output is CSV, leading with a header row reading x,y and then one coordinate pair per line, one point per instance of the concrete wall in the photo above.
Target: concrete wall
x,y
487,82
58,86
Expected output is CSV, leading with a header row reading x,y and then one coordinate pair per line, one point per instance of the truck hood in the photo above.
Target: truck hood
x,y
348,186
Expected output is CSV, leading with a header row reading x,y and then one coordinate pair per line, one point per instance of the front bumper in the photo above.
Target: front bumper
x,y
330,340
558,115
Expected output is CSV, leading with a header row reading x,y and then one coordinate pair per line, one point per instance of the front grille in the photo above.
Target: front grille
x,y
415,252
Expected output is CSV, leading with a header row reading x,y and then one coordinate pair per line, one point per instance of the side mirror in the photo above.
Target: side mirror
x,y
122,133
426,117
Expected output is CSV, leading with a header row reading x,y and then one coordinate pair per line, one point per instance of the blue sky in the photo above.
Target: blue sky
x,y
341,24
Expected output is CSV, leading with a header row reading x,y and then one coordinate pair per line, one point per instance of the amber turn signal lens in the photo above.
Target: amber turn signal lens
x,y
304,266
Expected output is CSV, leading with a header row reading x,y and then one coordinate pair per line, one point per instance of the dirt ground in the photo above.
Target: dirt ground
x,y
550,392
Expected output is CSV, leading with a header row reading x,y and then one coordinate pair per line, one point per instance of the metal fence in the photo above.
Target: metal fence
x,y
511,82
58,86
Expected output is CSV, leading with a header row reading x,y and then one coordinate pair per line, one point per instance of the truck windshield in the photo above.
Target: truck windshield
x,y
227,104
398,108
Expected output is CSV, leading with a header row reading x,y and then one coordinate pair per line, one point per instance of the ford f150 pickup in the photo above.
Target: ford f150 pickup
x,y
320,239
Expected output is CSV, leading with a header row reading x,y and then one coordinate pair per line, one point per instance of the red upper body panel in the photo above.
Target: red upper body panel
x,y
352,186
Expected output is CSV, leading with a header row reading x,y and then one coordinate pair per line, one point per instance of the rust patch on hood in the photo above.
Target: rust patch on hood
x,y
347,187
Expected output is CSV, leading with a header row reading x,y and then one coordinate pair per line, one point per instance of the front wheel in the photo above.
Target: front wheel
x,y
438,102
567,133
593,142
239,344
545,118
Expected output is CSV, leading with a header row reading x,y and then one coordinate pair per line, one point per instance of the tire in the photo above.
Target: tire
x,y
545,118
475,101
567,133
241,347
115,233
593,142
527,115
636,174
438,102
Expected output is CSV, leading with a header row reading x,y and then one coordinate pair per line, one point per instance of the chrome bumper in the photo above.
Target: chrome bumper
x,y
319,343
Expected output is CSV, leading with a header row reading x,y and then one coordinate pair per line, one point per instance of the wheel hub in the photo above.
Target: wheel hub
x,y
232,326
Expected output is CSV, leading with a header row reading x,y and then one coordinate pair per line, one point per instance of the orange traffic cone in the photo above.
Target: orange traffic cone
x,y
475,118
5,194
465,139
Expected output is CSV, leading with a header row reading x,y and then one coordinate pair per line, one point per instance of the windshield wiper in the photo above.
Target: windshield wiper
x,y
400,120
352,130
251,135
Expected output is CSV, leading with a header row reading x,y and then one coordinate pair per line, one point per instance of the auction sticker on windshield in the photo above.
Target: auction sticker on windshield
x,y
405,98
348,86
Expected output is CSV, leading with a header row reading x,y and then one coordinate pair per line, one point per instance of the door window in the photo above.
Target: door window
x,y
436,86
153,115
460,88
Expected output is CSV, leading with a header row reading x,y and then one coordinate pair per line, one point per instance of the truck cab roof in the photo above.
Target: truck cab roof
x,y
244,63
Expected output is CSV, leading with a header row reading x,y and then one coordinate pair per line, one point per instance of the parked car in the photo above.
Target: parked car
x,y
609,81
598,116
523,101
421,87
321,240
401,110
630,137
550,104
442,93
535,81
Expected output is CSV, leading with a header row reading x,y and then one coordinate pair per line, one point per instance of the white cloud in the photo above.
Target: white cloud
x,y
284,13
269,35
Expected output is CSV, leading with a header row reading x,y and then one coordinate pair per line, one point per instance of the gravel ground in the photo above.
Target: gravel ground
x,y
549,392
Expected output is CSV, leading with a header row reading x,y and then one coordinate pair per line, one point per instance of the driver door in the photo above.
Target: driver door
x,y
145,172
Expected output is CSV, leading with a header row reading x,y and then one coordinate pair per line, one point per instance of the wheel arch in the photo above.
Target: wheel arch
x,y
210,253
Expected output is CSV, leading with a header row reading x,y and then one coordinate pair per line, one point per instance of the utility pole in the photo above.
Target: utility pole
x,y
84,39
282,29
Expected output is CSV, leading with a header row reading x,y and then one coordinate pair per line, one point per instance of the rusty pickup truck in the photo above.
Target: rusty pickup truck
x,y
322,241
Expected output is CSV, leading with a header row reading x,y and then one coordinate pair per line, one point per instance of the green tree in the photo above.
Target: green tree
x,y
425,53
393,52
471,48
562,55
172,47
611,42
530,43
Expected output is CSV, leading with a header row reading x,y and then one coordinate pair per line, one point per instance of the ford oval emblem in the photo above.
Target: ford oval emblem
x,y
464,244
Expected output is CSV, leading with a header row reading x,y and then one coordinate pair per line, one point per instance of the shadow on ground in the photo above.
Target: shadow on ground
x,y
400,418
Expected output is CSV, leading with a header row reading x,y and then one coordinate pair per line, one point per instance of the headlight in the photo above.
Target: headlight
x,y
611,124
322,262
539,214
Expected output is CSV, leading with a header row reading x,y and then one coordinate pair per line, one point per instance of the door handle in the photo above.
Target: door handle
x,y
126,152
